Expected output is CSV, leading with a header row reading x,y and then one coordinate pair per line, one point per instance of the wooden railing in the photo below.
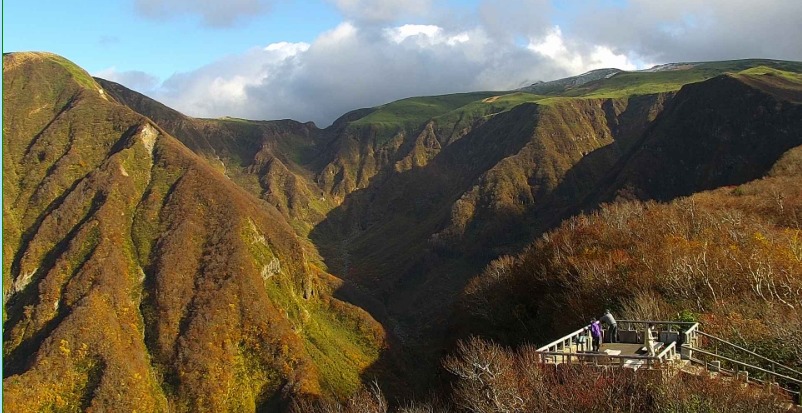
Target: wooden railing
x,y
665,357
774,364
567,341
788,379
574,348
692,344
788,384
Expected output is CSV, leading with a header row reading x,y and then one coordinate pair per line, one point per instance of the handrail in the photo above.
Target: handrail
x,y
751,379
663,356
660,356
749,351
598,355
563,350
733,373
691,326
670,347
658,322
616,356
570,336
620,360
775,374
564,338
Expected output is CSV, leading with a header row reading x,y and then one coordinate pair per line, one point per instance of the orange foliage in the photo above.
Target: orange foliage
x,y
730,256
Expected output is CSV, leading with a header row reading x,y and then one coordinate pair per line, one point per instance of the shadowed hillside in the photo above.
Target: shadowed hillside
x,y
411,199
207,257
724,131
729,256
138,277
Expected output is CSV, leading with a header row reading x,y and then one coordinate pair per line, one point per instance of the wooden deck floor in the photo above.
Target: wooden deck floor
x,y
621,349
619,352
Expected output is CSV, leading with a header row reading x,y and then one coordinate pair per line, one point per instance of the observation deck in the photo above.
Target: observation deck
x,y
679,346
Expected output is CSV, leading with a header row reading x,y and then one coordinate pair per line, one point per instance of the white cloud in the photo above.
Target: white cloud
x,y
368,61
341,34
690,30
579,58
221,88
424,35
603,57
350,67
284,50
399,34
551,45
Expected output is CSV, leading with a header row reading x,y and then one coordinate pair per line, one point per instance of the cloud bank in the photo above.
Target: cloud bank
x,y
373,57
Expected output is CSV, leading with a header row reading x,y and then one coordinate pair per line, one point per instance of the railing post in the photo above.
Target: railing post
x,y
743,375
716,365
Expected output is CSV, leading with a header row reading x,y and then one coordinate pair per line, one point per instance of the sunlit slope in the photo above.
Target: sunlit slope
x,y
415,197
723,245
269,159
665,78
138,277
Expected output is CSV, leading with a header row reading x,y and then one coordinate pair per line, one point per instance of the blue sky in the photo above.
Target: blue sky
x,y
317,59
101,34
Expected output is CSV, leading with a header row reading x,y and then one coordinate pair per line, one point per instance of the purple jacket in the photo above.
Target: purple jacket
x,y
595,329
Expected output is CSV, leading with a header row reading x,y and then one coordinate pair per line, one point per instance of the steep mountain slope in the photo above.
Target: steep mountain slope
x,y
729,255
560,86
452,202
270,159
416,235
138,277
415,197
725,131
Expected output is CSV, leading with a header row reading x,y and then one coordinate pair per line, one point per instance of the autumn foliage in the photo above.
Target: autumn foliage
x,y
489,378
140,278
155,262
732,256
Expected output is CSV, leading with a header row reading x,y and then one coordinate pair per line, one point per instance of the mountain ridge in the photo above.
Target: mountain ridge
x,y
384,169
132,285
279,225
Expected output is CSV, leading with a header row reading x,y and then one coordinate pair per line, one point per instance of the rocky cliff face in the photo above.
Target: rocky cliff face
x,y
723,159
725,131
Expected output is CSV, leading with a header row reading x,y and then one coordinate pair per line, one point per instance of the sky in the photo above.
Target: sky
x,y
314,60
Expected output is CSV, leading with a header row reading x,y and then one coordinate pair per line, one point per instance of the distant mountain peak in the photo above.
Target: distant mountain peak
x,y
669,66
541,87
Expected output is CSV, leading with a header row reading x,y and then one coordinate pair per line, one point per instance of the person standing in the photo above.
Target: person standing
x,y
649,340
608,319
595,334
